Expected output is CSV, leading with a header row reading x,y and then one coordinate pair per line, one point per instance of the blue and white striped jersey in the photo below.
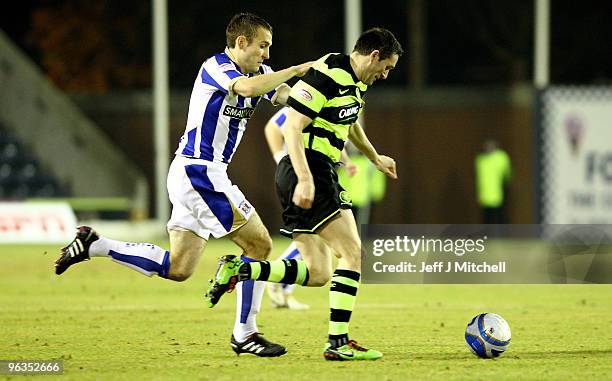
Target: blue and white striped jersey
x,y
217,118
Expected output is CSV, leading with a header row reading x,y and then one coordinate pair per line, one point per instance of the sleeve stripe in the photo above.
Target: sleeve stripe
x,y
225,65
209,80
301,108
322,82
232,74
222,59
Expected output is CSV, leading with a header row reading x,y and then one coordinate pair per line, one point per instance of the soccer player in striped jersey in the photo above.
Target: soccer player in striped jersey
x,y
325,105
228,87
281,295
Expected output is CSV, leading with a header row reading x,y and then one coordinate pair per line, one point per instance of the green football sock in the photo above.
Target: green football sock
x,y
342,295
286,271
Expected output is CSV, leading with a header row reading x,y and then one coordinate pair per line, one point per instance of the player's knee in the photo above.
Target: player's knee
x,y
260,247
318,277
180,275
318,280
351,251
265,245
180,267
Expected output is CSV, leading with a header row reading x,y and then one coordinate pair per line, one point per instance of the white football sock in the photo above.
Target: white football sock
x,y
146,258
248,302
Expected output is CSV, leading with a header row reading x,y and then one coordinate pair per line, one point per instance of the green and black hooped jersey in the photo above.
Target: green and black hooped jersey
x,y
330,94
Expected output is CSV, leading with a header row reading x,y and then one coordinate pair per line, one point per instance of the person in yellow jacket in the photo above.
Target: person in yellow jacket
x,y
493,174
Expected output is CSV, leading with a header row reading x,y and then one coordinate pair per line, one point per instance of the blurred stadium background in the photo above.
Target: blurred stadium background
x,y
77,114
77,144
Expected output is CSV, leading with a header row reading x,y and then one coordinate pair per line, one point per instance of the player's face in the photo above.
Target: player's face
x,y
379,69
255,53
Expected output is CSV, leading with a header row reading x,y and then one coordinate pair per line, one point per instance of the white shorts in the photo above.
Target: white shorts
x,y
203,198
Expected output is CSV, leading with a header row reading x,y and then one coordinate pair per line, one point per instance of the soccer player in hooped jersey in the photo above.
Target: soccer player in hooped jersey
x,y
281,295
228,87
325,105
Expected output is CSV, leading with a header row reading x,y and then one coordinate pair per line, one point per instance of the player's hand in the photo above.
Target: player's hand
x,y
386,165
303,195
303,68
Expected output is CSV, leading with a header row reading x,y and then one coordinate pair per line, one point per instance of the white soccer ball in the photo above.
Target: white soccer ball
x,y
488,335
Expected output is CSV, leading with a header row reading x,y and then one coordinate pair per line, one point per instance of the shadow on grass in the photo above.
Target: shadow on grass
x,y
565,353
513,355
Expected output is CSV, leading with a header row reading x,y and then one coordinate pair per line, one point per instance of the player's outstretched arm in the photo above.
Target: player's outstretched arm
x,y
303,195
264,83
275,140
383,163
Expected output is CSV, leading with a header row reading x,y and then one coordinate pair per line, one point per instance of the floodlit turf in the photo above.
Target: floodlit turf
x,y
109,322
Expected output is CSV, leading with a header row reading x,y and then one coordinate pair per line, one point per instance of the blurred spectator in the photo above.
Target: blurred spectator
x,y
493,172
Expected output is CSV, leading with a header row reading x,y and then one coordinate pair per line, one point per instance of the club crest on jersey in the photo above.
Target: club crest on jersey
x,y
237,112
345,197
245,207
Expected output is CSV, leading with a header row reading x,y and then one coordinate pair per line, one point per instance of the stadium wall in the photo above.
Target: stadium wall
x,y
60,135
434,135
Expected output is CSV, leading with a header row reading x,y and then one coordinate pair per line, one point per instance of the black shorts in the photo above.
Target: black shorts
x,y
329,197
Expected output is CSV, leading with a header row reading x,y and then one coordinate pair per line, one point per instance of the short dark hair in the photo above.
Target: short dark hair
x,y
244,24
379,39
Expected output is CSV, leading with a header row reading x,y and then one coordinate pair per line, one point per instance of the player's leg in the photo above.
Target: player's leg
x,y
232,270
342,237
306,272
253,237
281,295
212,204
291,252
288,271
146,258
316,256
276,291
255,241
186,248
187,237
311,271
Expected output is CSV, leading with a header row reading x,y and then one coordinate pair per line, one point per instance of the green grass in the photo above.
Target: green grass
x,y
108,322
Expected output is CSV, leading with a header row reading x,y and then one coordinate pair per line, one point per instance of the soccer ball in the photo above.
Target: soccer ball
x,y
488,335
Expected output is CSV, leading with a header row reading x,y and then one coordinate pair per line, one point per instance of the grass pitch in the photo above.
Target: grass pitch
x,y
108,322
